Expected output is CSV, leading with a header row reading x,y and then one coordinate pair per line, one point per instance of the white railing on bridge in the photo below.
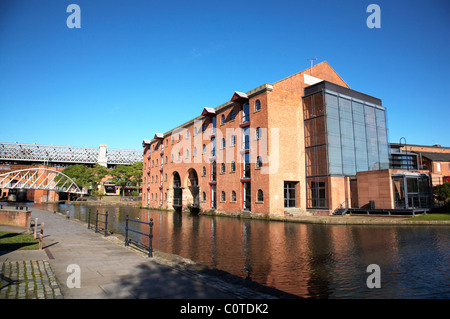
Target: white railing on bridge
x,y
39,178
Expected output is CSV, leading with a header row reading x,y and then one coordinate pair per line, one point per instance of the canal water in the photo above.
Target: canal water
x,y
308,260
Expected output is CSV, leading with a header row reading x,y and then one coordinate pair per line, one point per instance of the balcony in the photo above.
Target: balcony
x,y
213,133
245,123
245,147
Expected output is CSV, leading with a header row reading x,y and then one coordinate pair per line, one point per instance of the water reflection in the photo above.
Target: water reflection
x,y
317,261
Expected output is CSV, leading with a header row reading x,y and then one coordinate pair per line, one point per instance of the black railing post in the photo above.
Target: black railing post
x,y
96,221
89,219
150,238
106,223
126,231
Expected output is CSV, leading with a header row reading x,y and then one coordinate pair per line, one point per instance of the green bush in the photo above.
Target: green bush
x,y
442,191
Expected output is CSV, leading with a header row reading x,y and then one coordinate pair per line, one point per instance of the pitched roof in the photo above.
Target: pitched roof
x,y
208,111
239,96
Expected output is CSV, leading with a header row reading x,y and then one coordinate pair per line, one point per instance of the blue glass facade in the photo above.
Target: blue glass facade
x,y
345,133
356,135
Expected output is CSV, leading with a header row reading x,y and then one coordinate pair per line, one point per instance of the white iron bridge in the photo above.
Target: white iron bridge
x,y
41,179
35,153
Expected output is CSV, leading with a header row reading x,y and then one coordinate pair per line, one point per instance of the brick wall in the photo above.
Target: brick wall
x,y
282,152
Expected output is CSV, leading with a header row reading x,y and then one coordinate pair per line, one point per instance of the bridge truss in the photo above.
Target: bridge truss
x,y
16,152
41,179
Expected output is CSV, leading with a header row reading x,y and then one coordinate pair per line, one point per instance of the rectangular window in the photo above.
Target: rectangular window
x,y
290,194
213,125
246,166
245,113
246,138
316,192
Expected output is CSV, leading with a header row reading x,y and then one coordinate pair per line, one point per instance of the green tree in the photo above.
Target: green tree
x,y
127,175
136,177
96,174
442,191
121,176
78,173
84,176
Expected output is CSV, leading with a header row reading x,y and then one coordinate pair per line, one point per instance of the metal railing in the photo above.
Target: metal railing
x,y
98,229
129,240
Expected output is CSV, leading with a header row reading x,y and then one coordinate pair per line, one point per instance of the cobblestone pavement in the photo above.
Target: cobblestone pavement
x,y
28,279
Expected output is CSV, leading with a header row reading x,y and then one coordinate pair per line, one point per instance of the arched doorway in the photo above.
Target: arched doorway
x,y
177,192
193,188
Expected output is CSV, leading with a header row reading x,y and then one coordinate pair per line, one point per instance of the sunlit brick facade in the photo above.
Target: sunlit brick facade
x,y
290,147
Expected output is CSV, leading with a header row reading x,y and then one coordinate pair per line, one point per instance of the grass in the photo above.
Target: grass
x,y
15,241
445,216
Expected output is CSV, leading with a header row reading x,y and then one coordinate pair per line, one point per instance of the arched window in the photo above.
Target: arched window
x,y
223,143
233,166
222,168
204,148
233,196
257,105
187,153
233,140
222,119
204,171
232,115
195,131
165,178
222,196
167,160
195,151
187,134
260,196
259,162
204,196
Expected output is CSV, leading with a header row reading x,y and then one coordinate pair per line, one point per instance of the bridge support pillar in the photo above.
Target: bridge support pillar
x,y
42,196
102,160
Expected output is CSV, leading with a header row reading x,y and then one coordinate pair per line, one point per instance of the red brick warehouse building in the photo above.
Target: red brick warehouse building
x,y
273,150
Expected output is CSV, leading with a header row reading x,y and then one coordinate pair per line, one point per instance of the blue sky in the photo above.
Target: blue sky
x,y
139,67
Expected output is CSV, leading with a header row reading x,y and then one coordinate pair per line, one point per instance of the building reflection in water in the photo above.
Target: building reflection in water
x,y
317,261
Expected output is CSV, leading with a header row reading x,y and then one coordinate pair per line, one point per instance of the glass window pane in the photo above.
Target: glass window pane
x,y
331,100
412,185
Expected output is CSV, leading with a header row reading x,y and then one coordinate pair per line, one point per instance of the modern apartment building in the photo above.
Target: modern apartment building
x,y
294,146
